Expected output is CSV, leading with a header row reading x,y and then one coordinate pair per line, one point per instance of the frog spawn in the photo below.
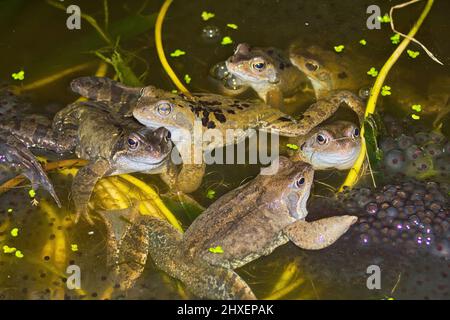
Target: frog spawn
x,y
418,154
413,215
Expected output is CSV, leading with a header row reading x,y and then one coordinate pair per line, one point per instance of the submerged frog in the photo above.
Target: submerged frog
x,y
329,71
90,130
212,113
269,72
334,145
241,226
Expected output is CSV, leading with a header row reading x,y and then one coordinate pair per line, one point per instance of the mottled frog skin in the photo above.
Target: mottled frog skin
x,y
179,113
246,223
268,71
91,131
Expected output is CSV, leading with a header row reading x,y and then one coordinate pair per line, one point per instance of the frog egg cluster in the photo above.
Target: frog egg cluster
x,y
412,214
421,154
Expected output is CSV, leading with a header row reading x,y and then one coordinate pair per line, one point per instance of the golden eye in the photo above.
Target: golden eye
x,y
164,108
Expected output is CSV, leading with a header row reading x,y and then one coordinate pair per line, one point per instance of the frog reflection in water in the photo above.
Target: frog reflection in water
x,y
269,72
112,145
246,223
158,108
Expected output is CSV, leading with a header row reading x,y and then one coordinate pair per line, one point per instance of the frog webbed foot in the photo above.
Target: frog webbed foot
x,y
318,234
15,154
83,185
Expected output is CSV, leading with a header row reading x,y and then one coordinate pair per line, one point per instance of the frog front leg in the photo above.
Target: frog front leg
x,y
318,234
83,185
14,153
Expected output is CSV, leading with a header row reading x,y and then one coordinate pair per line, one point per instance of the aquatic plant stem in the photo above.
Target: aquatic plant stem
x,y
160,48
352,177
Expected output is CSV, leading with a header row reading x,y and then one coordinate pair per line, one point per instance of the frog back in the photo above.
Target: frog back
x,y
242,224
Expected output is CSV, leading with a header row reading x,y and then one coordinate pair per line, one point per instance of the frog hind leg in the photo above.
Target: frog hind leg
x,y
127,245
202,279
14,153
104,89
318,234
83,185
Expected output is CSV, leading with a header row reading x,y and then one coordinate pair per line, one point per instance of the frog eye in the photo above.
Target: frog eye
x,y
259,66
300,182
312,66
321,139
164,108
356,133
132,143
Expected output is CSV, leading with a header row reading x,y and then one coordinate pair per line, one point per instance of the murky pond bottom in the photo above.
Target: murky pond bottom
x,y
403,231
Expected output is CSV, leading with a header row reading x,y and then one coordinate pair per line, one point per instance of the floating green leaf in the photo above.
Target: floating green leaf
x,y
412,54
362,42
207,15
19,254
216,250
386,91
177,53
416,107
339,48
15,232
32,193
373,72
292,146
18,75
187,78
415,116
232,26
210,194
395,39
7,249
226,41
74,247
385,18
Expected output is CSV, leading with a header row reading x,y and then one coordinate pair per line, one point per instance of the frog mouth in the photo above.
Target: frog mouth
x,y
297,205
338,159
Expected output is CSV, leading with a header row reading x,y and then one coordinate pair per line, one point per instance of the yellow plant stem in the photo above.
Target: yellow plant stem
x,y
352,177
52,78
160,48
148,191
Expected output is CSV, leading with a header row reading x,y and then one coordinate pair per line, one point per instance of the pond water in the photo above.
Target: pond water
x,y
34,38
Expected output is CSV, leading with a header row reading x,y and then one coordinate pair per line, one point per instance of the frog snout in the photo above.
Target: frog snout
x,y
162,135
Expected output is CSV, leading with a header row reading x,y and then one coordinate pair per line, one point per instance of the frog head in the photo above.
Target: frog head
x,y
335,145
253,66
141,150
287,186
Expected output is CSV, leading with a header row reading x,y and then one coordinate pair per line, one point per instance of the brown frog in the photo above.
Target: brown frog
x,y
112,145
269,72
211,113
329,71
241,226
335,145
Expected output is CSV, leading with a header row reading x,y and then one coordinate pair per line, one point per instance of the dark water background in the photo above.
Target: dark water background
x,y
34,38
